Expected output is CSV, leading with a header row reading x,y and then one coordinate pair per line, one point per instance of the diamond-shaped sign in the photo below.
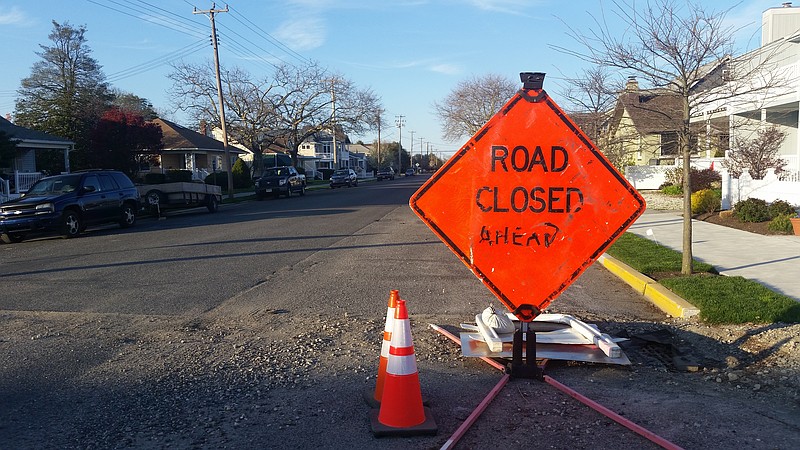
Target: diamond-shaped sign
x,y
528,203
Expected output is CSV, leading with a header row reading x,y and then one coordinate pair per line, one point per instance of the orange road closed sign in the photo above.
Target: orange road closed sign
x,y
529,202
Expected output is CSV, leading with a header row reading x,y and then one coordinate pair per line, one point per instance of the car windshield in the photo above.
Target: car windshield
x,y
276,172
342,172
55,185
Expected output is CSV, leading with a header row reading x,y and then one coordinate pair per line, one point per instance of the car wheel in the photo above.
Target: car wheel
x,y
289,192
71,224
11,238
302,190
356,183
128,217
212,204
259,196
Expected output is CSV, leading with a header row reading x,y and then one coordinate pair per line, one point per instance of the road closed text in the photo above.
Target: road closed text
x,y
536,199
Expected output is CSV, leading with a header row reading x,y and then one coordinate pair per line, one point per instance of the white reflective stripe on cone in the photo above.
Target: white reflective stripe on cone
x,y
385,348
402,365
389,319
401,336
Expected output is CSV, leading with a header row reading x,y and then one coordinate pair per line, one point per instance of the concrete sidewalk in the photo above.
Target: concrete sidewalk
x,y
773,261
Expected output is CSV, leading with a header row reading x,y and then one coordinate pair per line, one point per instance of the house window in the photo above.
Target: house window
x,y
669,143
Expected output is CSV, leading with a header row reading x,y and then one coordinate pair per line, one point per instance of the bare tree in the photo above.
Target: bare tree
x,y
472,103
591,97
757,154
310,100
250,119
678,48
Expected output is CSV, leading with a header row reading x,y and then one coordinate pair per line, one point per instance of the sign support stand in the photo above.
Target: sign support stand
x,y
528,369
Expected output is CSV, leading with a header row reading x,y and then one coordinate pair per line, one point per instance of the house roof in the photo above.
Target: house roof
x,y
26,134
650,112
177,137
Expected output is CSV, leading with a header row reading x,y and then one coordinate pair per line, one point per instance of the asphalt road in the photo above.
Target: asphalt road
x,y
193,261
260,326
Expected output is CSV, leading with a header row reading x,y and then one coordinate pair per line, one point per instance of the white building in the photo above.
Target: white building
x,y
769,93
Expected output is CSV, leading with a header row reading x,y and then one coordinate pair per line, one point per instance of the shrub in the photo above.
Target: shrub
x,y
672,190
706,201
752,210
175,175
241,175
781,224
675,176
218,179
781,207
704,179
700,179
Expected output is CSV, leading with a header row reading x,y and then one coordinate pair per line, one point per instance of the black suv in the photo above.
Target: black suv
x,y
68,203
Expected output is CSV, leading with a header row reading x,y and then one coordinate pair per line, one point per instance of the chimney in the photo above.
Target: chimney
x,y
779,22
632,85
204,127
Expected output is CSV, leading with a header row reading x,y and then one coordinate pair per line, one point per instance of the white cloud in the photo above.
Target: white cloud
x,y
447,69
516,7
14,16
301,35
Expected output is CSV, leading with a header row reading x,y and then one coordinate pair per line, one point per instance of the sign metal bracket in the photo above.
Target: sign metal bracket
x,y
528,368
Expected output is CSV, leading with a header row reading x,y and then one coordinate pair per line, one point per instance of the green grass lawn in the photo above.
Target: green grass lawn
x,y
720,299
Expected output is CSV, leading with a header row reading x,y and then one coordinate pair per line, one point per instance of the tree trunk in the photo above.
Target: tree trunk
x,y
687,260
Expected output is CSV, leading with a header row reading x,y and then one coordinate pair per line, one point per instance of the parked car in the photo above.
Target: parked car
x,y
67,204
277,181
385,174
344,177
409,172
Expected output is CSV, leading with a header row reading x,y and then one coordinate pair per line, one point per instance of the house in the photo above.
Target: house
x,y
316,153
643,127
23,171
769,93
186,149
275,154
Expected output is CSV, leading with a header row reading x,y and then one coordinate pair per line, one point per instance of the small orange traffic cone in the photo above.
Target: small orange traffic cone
x,y
401,412
373,399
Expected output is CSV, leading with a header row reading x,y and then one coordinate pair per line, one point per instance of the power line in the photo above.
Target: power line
x,y
155,20
273,40
152,64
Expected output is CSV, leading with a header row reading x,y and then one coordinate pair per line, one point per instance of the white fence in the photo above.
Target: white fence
x,y
769,189
653,177
22,181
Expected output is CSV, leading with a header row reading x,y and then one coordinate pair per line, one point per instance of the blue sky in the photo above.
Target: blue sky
x,y
409,52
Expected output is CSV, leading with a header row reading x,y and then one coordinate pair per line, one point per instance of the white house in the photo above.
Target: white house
x,y
316,153
769,94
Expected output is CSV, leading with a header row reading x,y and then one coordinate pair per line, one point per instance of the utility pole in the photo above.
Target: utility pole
x,y
427,164
411,152
400,122
333,123
379,120
211,13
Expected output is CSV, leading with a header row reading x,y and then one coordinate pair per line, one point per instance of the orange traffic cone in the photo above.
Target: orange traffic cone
x,y
373,399
401,412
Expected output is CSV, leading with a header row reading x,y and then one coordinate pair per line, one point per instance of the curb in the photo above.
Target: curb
x,y
654,292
